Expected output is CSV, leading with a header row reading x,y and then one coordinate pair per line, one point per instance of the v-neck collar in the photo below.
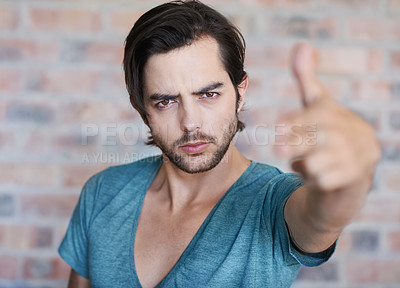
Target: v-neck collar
x,y
193,241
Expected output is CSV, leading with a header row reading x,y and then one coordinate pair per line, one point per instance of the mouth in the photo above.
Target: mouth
x,y
194,147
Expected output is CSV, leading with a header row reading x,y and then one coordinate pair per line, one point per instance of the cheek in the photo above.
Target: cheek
x,y
164,130
216,124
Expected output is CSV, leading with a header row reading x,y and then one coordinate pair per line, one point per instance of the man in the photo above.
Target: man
x,y
201,214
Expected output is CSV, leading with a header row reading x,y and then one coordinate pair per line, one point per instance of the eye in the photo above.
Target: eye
x,y
209,94
163,103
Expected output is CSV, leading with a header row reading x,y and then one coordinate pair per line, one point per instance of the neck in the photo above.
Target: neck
x,y
182,189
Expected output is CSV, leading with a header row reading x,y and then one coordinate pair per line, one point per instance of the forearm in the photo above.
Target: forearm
x,y
332,211
316,218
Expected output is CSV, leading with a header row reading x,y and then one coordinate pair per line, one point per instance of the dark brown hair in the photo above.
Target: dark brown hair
x,y
173,25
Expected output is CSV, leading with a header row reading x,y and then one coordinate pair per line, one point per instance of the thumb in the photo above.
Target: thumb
x,y
304,61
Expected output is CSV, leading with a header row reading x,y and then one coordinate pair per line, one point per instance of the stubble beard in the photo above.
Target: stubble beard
x,y
202,162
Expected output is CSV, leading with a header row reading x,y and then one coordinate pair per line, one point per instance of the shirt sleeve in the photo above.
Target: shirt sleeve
x,y
73,248
280,189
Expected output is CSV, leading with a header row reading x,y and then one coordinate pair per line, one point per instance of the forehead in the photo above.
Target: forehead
x,y
184,69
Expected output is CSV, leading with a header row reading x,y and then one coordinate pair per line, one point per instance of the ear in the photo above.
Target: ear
x,y
242,87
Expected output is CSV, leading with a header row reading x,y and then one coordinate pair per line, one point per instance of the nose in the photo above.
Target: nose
x,y
190,116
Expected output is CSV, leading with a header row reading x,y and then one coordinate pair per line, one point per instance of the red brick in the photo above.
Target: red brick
x,y
363,29
278,3
356,5
90,51
45,268
247,25
9,18
115,85
8,267
393,7
77,175
328,272
105,53
7,139
336,87
344,244
349,60
29,174
72,81
108,1
255,97
74,20
378,271
257,116
10,80
219,3
395,60
3,112
51,143
267,56
31,111
24,237
391,180
303,27
394,240
48,206
122,21
95,112
373,29
379,90
284,88
21,50
60,231
372,212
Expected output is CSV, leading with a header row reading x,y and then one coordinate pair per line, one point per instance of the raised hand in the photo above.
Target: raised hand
x,y
338,167
345,150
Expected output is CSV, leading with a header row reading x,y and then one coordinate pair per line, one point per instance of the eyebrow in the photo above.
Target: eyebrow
x,y
208,88
158,96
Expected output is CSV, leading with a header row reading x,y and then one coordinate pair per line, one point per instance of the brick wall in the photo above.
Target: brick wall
x,y
64,115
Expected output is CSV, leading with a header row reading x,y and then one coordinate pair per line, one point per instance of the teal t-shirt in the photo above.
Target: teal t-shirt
x,y
243,242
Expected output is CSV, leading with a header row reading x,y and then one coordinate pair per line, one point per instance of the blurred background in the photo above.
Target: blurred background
x,y
65,115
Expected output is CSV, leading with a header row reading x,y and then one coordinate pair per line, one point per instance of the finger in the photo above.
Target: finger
x,y
304,61
316,164
335,178
299,140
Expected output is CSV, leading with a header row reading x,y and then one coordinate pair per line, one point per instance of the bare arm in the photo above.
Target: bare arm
x,y
338,168
77,281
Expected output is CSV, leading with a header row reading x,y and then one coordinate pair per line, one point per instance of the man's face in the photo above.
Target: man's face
x,y
191,105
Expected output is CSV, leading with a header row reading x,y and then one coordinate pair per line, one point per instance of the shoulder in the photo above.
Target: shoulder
x,y
121,174
274,185
124,173
107,183
274,176
266,170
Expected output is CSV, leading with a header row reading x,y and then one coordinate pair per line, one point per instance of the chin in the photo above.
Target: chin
x,y
196,163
